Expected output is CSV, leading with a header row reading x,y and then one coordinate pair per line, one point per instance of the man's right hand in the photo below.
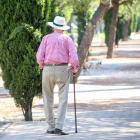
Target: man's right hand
x,y
75,71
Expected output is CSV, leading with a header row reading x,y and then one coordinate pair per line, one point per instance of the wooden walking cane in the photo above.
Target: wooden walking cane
x,y
75,102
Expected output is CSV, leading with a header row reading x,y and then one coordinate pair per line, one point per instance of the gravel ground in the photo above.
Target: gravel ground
x,y
1,125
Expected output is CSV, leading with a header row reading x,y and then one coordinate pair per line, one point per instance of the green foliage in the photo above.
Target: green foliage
x,y
119,31
129,28
135,22
125,11
25,28
107,21
138,26
51,9
65,8
131,11
22,25
132,21
84,13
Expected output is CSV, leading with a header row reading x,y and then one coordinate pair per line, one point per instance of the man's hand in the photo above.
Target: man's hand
x,y
75,71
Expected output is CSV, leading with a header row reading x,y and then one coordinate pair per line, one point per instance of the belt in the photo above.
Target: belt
x,y
61,64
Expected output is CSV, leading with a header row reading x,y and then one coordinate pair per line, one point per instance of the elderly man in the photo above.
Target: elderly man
x,y
53,57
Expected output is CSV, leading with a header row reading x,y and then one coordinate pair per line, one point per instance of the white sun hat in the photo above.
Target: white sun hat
x,y
59,23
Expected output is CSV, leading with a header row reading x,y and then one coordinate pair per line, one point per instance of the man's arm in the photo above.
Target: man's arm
x,y
41,54
73,56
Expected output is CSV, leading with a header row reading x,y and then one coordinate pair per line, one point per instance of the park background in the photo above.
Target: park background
x,y
106,31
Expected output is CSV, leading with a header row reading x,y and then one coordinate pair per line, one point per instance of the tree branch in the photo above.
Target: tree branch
x,y
124,2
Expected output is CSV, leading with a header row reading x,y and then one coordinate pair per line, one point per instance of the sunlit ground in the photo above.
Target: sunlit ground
x,y
108,100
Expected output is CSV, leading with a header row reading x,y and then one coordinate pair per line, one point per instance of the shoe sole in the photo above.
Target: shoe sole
x,y
50,132
61,133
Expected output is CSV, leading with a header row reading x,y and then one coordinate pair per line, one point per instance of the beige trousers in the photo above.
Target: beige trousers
x,y
52,75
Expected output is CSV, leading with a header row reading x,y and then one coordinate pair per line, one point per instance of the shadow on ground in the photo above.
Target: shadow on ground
x,y
114,119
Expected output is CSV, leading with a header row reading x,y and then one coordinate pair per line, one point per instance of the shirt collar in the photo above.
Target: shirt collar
x,y
57,31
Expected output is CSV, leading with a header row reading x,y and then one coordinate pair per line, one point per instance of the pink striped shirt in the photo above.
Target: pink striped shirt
x,y
55,48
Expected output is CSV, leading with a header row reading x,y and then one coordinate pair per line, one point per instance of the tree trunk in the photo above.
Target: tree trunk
x,y
125,29
89,33
112,32
28,112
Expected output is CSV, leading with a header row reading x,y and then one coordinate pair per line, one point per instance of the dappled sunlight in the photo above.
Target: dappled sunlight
x,y
135,124
113,72
107,101
105,123
108,81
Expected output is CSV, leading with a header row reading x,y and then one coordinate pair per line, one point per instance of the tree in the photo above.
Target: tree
x,y
125,12
119,33
84,14
65,9
89,32
138,14
138,27
133,19
107,22
113,26
26,22
125,29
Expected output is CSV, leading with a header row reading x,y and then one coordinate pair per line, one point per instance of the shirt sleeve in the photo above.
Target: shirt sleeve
x,y
73,55
41,54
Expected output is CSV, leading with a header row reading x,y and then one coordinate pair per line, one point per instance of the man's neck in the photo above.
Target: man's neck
x,y
58,31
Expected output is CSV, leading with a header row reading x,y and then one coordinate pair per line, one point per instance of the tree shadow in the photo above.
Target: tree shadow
x,y
112,119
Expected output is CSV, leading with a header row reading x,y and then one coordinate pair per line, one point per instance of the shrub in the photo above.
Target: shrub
x,y
25,22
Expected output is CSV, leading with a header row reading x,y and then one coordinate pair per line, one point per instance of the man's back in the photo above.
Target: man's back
x,y
55,48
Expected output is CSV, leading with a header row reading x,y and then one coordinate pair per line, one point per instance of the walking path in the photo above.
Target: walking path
x,y
108,104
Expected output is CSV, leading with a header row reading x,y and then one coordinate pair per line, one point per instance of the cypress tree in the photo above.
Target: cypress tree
x,y
129,28
135,22
107,22
138,26
84,14
131,25
22,25
119,31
